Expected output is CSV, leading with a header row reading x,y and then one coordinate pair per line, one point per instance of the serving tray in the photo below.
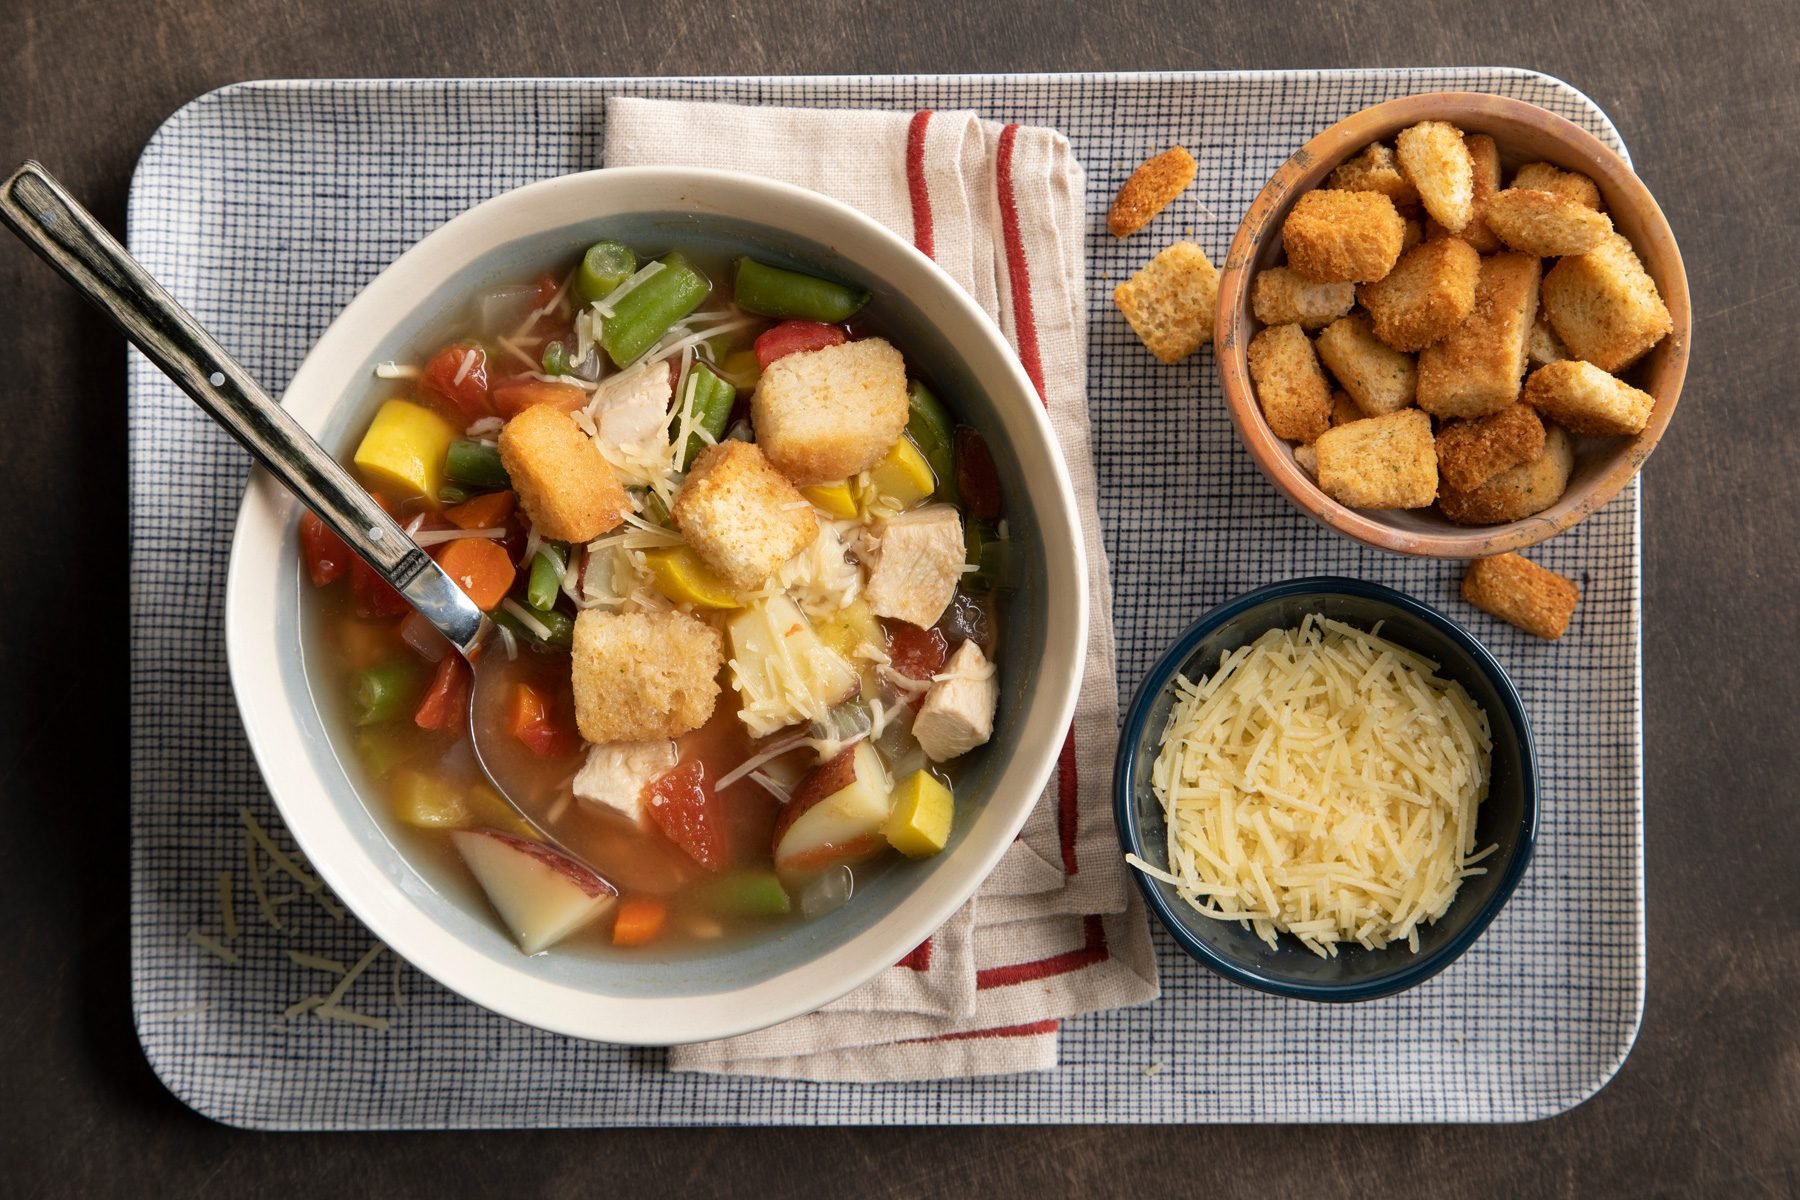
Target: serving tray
x,y
265,207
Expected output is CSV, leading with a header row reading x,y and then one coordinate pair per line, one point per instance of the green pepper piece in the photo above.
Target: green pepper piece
x,y
934,433
556,359
476,463
713,401
987,550
385,692
604,267
790,295
648,310
748,894
451,494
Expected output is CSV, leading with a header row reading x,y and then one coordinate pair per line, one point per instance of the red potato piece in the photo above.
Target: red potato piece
x,y
542,896
914,652
836,814
796,337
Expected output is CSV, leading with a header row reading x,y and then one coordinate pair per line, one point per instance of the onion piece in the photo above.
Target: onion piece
x,y
828,893
435,537
423,636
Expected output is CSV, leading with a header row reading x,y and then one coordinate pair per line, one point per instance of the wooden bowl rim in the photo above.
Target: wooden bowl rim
x,y
1661,257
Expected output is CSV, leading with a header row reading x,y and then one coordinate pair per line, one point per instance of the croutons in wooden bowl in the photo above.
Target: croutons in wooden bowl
x,y
1376,299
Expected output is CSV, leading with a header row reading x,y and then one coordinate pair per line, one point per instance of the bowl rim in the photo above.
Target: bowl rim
x,y
1230,335
1131,834
262,541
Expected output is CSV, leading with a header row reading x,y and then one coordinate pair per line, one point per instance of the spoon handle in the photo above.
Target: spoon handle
x,y
68,237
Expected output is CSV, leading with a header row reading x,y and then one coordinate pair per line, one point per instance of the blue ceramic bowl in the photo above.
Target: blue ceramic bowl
x,y
1507,817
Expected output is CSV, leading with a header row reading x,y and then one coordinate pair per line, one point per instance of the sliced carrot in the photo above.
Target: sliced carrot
x,y
487,511
516,395
480,567
640,920
531,719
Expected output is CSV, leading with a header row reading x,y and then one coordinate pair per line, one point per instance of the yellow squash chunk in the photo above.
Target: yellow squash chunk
x,y
403,452
903,476
683,578
835,498
919,825
849,627
428,802
488,809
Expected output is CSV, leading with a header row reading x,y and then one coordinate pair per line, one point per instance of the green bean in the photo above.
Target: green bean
x,y
384,692
476,463
648,310
988,551
560,625
556,359
604,267
713,401
451,494
545,582
790,295
749,894
934,433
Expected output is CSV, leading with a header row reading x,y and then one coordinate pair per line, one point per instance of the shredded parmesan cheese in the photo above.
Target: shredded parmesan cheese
x,y
212,946
1323,782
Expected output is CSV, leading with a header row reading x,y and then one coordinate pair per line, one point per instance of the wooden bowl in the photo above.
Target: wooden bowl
x,y
1525,133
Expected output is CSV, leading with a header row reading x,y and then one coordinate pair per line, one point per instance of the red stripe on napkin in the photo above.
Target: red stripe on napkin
x,y
1018,274
919,959
916,188
1003,1031
1093,950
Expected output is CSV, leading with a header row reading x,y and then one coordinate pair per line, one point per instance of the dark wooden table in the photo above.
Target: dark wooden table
x,y
1706,94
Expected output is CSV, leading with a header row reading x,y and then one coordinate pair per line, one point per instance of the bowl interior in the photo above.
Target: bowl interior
x,y
441,924
1506,817
1524,133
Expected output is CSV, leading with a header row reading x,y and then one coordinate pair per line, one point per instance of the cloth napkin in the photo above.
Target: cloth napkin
x,y
1055,931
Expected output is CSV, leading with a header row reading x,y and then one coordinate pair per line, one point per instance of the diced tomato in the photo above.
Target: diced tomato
x,y
547,287
682,805
916,653
460,379
446,703
323,551
532,719
793,337
976,480
516,395
375,599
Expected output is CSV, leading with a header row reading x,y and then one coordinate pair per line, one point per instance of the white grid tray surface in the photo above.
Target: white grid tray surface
x,y
265,207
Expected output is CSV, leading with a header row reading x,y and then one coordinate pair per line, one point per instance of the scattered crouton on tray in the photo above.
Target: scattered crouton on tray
x,y
1149,190
1521,593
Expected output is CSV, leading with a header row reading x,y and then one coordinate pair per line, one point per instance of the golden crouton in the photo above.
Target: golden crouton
x,y
1542,177
1472,452
1521,593
1519,493
1295,399
1172,302
567,489
1604,305
1430,291
1379,378
1542,346
1476,368
1283,296
1436,161
1374,170
1344,409
824,415
742,515
1544,223
639,676
1342,237
1380,462
1307,458
1584,399
1415,233
1484,157
1149,191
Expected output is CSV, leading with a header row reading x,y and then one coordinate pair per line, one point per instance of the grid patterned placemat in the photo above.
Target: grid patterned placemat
x,y
265,207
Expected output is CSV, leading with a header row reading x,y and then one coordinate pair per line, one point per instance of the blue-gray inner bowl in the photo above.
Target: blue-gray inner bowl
x,y
1508,816
453,902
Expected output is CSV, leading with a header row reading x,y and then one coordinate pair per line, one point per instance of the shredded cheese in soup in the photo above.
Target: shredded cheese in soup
x,y
1323,782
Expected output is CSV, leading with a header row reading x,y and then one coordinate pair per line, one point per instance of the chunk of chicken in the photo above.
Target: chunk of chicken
x,y
958,712
634,407
915,561
615,776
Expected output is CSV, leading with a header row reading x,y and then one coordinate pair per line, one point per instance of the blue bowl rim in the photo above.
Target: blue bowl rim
x,y
1422,967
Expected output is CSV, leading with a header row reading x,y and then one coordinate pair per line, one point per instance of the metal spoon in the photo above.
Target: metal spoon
x,y
68,237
